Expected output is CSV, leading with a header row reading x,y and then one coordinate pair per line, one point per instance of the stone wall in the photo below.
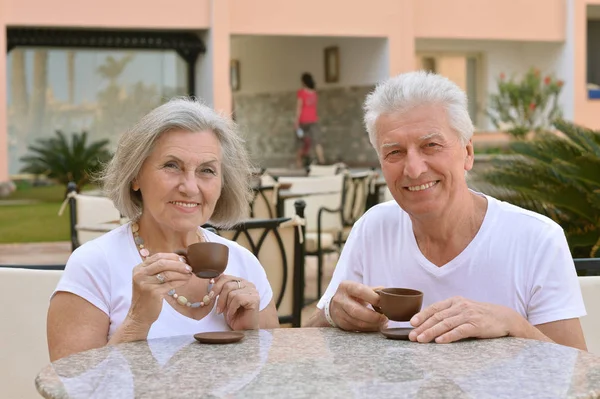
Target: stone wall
x,y
267,120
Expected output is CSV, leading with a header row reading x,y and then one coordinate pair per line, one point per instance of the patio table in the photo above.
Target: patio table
x,y
323,363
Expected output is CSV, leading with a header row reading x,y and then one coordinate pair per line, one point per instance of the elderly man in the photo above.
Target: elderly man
x,y
487,268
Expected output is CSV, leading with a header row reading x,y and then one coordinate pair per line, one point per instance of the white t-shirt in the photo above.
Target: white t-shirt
x,y
100,271
518,259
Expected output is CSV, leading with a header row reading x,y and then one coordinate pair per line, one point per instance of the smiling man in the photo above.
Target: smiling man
x,y
487,268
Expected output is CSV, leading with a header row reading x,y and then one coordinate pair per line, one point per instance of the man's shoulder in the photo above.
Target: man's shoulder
x,y
510,214
381,215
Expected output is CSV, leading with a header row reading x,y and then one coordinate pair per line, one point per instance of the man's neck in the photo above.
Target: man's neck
x,y
442,238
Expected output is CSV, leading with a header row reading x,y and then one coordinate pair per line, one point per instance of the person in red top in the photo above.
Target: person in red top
x,y
306,119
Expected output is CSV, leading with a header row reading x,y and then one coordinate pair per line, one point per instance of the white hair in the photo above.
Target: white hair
x,y
191,116
408,90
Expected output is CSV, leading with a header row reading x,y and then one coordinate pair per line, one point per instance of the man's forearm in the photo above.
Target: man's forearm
x,y
318,319
524,329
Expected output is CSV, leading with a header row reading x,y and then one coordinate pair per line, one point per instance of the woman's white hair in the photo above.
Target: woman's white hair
x,y
191,116
408,90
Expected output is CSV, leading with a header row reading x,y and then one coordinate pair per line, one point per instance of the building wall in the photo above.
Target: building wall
x,y
267,122
510,58
397,22
180,14
270,70
586,110
533,20
275,63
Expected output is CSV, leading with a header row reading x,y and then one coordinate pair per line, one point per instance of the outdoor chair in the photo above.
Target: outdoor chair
x,y
279,246
90,216
264,202
25,295
590,289
323,198
354,199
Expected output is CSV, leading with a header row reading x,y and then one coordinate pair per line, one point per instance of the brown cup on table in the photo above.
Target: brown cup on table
x,y
399,304
207,259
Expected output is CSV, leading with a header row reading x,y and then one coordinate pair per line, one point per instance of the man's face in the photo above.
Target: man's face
x,y
422,159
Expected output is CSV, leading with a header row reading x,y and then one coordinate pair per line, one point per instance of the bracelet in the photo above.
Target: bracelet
x,y
327,314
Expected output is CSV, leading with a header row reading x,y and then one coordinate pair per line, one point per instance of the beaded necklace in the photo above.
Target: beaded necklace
x,y
180,299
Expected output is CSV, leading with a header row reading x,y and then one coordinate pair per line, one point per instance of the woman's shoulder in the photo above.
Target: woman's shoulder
x,y
98,249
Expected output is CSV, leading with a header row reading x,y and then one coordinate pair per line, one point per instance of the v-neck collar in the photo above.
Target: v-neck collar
x,y
460,259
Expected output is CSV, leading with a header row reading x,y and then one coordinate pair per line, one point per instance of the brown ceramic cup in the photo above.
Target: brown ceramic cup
x,y
207,259
399,304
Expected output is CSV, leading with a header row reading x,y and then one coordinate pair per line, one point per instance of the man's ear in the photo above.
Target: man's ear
x,y
470,157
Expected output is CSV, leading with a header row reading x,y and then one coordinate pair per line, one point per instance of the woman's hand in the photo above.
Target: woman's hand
x,y
239,301
152,280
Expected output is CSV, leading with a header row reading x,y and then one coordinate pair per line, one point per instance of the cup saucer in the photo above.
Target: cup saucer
x,y
397,332
219,337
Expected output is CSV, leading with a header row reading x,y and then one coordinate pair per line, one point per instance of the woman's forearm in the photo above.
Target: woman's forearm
x,y
129,331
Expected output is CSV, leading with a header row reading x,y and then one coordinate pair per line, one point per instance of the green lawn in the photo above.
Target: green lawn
x,y
34,222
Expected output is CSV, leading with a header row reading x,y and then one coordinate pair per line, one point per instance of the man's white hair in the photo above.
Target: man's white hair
x,y
408,90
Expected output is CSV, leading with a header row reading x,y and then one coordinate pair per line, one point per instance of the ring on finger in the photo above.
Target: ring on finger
x,y
239,283
160,278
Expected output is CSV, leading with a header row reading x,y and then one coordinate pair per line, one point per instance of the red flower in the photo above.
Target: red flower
x,y
560,83
502,76
536,72
547,80
532,107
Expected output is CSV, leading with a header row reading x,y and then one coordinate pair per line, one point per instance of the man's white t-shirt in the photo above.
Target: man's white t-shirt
x,y
518,259
100,271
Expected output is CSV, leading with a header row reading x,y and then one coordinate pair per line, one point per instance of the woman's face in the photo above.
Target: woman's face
x,y
181,180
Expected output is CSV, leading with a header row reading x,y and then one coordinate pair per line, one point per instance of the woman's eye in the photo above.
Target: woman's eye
x,y
432,144
209,170
171,165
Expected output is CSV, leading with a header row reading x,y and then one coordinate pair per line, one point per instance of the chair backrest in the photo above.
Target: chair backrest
x,y
264,202
590,289
24,295
324,191
356,192
325,170
279,246
88,212
314,185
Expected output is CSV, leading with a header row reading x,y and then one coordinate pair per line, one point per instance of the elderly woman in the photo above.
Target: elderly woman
x,y
181,166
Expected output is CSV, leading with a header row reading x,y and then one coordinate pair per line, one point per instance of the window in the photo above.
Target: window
x,y
102,92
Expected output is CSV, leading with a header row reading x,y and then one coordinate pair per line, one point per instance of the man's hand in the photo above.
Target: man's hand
x,y
348,308
458,318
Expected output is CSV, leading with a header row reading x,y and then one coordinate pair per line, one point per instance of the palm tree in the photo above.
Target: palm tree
x,y
66,161
557,175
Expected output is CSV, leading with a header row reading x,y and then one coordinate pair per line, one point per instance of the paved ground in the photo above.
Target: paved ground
x,y
43,253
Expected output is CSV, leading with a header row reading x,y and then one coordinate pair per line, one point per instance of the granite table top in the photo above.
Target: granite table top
x,y
323,362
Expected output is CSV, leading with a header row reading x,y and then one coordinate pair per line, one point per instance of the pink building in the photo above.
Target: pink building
x,y
261,47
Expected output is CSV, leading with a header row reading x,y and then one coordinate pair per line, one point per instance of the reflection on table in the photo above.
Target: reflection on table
x,y
324,362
